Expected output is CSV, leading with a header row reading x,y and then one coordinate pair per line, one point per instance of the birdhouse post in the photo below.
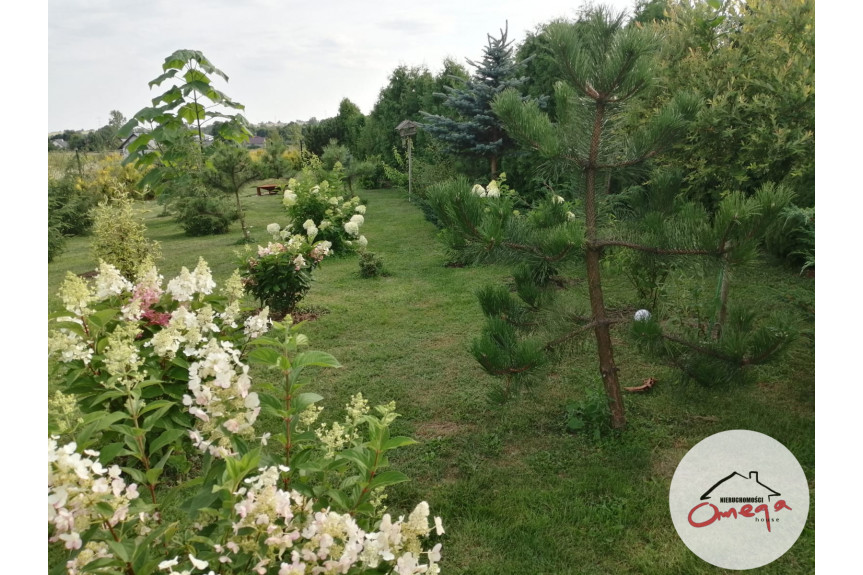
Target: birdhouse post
x,y
407,130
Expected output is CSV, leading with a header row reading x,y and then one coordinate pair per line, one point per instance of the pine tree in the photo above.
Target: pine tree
x,y
604,65
476,130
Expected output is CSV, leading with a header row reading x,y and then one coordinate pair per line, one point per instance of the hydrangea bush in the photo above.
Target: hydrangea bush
x,y
280,274
336,215
160,372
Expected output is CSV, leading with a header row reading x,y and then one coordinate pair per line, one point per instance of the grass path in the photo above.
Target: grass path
x,y
517,493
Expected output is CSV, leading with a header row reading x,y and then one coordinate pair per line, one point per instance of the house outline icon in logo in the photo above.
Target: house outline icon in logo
x,y
736,484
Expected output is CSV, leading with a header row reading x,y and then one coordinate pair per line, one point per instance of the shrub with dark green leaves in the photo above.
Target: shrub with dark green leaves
x,y
69,207
371,266
201,212
280,273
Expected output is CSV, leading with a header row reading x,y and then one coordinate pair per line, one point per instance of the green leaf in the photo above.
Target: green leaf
x,y
237,469
75,328
303,400
135,474
192,113
271,402
119,549
104,509
103,422
162,78
284,364
166,438
110,394
715,4
151,419
363,457
160,404
153,475
204,498
172,96
318,358
109,452
101,318
126,130
339,499
140,143
386,478
193,75
264,356
399,441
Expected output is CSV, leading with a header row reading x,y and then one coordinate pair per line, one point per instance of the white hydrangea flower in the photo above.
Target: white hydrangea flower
x,y
75,294
352,228
570,216
273,229
257,325
234,287
358,219
478,190
67,346
204,283
182,288
361,209
290,198
110,282
363,241
492,190
557,199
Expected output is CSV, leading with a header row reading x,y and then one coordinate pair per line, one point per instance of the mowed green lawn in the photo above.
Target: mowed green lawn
x,y
516,492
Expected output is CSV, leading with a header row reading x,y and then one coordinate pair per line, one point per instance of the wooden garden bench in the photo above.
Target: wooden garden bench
x,y
271,189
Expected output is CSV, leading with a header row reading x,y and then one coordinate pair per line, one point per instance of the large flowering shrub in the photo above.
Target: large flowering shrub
x,y
337,216
160,372
280,273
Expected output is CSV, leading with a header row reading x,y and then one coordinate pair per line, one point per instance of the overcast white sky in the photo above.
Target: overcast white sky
x,y
286,60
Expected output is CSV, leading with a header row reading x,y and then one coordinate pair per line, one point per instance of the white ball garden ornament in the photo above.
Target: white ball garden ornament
x,y
642,315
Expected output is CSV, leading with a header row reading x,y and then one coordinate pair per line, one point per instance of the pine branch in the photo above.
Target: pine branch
x,y
579,330
658,251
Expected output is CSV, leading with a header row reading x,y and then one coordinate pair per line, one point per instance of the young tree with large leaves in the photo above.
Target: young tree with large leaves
x,y
179,114
604,66
475,129
171,146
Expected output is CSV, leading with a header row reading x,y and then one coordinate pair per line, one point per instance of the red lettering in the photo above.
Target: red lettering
x,y
745,511
763,508
713,517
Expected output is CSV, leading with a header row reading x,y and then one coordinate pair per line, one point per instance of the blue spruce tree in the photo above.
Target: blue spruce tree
x,y
476,130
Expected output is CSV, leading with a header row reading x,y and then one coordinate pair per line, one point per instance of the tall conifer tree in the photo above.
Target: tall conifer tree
x,y
475,129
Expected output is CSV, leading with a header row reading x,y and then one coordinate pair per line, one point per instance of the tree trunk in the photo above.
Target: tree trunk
x,y
607,368
241,214
493,166
724,287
